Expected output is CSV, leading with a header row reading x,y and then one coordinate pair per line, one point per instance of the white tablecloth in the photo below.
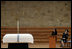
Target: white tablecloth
x,y
18,38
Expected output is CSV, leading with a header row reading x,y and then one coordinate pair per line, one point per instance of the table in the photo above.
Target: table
x,y
18,40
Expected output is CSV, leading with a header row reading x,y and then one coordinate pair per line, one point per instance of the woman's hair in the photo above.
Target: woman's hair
x,y
67,30
55,29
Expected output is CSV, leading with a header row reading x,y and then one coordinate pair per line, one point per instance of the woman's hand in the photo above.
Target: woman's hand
x,y
64,38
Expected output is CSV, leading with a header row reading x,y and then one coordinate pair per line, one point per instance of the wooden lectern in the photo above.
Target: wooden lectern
x,y
52,42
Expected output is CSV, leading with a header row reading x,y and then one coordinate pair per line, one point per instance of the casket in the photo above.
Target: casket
x,y
18,38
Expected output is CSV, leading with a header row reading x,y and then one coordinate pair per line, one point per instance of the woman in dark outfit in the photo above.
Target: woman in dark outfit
x,y
64,38
54,32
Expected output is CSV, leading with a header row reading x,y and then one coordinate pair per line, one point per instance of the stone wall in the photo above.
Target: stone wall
x,y
36,13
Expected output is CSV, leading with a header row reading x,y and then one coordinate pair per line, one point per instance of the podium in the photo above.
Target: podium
x,y
52,42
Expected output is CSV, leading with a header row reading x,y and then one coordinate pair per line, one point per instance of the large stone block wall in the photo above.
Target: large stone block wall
x,y
36,13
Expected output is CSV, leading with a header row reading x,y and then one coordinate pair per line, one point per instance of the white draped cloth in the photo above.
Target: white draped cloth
x,y
18,38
